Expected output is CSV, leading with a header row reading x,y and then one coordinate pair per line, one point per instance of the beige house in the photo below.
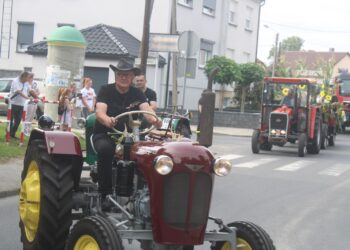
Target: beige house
x,y
313,64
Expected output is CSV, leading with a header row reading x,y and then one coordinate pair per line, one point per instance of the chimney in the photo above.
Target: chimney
x,y
331,49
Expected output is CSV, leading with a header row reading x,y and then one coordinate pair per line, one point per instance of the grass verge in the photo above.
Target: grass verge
x,y
13,150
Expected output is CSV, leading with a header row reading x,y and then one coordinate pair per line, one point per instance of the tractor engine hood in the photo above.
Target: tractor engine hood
x,y
284,109
180,200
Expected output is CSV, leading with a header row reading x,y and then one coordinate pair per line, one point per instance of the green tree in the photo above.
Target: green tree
x,y
250,73
229,72
293,43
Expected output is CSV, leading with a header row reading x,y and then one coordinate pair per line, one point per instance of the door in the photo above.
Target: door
x,y
99,76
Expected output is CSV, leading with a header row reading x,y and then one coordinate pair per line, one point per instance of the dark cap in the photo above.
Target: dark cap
x,y
125,65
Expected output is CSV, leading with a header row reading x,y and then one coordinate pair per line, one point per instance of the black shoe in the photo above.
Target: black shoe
x,y
106,205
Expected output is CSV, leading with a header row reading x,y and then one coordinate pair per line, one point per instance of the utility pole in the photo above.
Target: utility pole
x,y
173,31
145,35
274,65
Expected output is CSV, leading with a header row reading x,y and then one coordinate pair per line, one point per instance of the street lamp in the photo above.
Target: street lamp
x,y
275,51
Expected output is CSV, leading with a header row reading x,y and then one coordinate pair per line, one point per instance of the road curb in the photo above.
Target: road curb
x,y
8,193
235,135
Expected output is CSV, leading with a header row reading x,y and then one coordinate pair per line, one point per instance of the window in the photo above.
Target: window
x,y
232,15
65,24
230,53
248,20
209,7
187,3
205,52
25,36
246,56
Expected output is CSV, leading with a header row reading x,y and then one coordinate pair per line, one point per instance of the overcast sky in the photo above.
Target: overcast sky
x,y
321,24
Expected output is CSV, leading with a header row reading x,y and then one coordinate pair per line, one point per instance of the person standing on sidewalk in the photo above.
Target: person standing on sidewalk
x,y
200,109
19,93
33,106
88,97
141,84
65,109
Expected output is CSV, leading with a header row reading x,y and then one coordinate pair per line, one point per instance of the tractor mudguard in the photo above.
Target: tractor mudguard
x,y
58,142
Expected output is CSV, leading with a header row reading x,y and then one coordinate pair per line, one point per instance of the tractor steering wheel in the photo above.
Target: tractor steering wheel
x,y
136,123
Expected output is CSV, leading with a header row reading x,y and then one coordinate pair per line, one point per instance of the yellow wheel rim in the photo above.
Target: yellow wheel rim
x,y
241,245
86,242
29,201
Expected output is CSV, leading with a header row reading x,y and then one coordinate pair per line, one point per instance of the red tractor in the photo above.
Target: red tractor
x,y
343,95
289,113
162,193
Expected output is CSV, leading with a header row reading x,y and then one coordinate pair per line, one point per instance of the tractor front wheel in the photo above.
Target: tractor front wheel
x,y
255,142
315,146
332,135
302,141
249,237
45,200
324,139
96,233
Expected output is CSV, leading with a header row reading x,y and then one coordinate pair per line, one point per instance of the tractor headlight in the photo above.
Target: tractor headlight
x,y
283,132
273,131
222,167
163,164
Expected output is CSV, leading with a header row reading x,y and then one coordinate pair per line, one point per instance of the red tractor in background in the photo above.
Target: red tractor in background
x,y
289,113
342,92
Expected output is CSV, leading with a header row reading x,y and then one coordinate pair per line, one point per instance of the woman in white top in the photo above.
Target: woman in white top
x,y
88,97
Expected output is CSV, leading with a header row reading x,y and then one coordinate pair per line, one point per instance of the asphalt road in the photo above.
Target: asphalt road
x,y
301,202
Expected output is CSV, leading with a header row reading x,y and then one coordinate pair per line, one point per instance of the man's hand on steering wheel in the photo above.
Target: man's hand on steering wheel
x,y
157,123
111,122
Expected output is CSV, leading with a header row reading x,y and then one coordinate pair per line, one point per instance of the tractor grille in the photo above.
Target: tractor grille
x,y
176,199
278,121
201,200
176,190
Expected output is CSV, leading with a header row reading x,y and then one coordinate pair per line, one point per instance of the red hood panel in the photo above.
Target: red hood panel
x,y
192,172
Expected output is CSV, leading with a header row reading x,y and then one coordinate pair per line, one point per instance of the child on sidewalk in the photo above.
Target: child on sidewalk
x,y
65,110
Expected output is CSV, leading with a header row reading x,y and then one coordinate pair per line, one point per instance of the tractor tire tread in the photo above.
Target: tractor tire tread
x,y
56,198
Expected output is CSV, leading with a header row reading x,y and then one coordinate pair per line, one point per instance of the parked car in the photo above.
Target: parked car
x,y
5,86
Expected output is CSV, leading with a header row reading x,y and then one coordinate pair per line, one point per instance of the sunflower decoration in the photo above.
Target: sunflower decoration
x,y
322,93
302,86
328,98
285,91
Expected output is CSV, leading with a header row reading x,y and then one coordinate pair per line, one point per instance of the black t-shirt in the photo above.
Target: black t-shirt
x,y
151,95
118,103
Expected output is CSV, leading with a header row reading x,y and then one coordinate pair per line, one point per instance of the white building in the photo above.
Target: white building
x,y
225,27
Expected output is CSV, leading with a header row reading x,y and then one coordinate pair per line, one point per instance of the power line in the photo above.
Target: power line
x,y
309,29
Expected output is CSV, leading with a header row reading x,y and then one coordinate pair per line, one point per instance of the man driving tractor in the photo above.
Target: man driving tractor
x,y
112,100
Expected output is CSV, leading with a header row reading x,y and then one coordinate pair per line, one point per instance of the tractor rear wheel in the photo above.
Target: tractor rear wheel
x,y
249,237
96,233
302,141
315,146
185,131
255,142
45,198
324,139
